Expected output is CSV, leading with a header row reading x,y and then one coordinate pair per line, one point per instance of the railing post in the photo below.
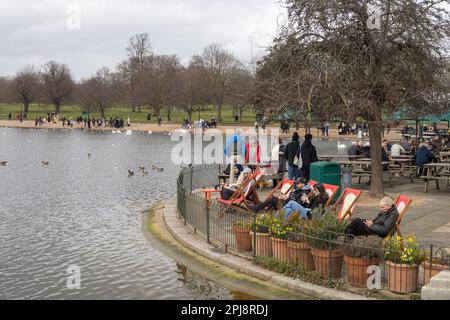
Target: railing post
x,y
254,235
192,177
208,233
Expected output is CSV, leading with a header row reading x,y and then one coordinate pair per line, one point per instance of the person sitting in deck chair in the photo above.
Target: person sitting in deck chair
x,y
312,198
229,189
382,226
275,203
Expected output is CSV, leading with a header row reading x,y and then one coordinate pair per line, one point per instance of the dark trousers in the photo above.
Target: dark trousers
x,y
272,203
358,228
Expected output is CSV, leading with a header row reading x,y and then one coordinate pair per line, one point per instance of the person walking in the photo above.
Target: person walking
x,y
309,156
292,154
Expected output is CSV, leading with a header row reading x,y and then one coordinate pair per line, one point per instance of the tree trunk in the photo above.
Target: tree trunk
x,y
102,113
189,113
26,107
219,112
139,109
57,107
376,187
133,109
241,112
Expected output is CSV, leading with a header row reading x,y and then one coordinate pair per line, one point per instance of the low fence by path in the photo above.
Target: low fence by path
x,y
302,252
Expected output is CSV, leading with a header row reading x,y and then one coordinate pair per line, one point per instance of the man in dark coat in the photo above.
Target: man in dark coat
x,y
309,155
382,226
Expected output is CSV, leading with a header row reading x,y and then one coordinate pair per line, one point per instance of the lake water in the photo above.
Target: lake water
x,y
86,212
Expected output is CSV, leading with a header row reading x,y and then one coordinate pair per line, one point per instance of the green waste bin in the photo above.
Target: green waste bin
x,y
326,172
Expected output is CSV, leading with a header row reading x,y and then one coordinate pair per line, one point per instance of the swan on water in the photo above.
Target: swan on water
x,y
341,147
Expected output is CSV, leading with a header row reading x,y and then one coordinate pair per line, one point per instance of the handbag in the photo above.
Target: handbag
x,y
297,158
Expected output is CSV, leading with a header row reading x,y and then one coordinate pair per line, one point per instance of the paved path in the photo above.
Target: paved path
x,y
428,217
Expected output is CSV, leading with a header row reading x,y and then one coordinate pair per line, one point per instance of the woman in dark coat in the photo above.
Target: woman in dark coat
x,y
309,155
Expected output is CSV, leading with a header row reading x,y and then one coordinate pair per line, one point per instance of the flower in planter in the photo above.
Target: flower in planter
x,y
278,228
262,223
403,252
242,223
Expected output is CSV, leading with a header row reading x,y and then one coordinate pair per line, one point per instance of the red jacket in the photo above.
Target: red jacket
x,y
247,153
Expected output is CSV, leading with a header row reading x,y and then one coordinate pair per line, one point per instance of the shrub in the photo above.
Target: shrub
x,y
324,231
363,247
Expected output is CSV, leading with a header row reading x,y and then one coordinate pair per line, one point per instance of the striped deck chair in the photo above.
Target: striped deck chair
x,y
347,202
332,192
284,188
312,183
403,203
241,195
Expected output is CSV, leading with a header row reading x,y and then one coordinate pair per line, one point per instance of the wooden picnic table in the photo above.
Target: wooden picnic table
x,y
362,168
328,158
436,172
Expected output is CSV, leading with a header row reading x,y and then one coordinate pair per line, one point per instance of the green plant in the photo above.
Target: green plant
x,y
403,252
363,247
242,223
278,228
262,223
324,231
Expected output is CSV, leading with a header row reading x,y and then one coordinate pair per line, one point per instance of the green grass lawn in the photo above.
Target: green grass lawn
x,y
249,116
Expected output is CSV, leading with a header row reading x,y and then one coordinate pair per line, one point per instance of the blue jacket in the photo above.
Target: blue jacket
x,y
423,156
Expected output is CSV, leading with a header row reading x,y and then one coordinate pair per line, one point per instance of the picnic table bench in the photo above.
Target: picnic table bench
x,y
436,172
362,169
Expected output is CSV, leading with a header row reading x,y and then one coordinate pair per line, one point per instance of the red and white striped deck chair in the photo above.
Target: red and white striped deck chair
x,y
347,202
332,191
312,183
403,203
284,188
240,196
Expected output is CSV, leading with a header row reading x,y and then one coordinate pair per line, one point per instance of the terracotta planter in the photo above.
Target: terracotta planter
x,y
263,245
300,252
402,278
357,270
280,249
432,270
243,238
328,263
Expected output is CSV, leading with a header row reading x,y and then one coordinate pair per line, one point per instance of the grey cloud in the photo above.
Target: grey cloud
x,y
33,32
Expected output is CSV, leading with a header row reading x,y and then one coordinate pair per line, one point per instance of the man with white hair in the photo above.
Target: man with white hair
x,y
381,226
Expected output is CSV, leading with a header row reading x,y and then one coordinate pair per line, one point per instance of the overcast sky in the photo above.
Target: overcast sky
x,y
37,31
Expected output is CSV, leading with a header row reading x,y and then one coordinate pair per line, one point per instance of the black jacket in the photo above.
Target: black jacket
x,y
292,150
384,224
309,154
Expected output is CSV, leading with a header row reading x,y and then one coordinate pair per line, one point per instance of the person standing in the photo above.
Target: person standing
x,y
309,156
292,154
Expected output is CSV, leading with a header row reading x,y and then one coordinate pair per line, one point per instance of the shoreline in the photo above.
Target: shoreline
x,y
167,128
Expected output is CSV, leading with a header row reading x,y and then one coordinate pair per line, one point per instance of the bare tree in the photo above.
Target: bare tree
x,y
6,94
191,91
132,70
157,84
26,86
375,68
242,81
99,92
218,65
57,83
